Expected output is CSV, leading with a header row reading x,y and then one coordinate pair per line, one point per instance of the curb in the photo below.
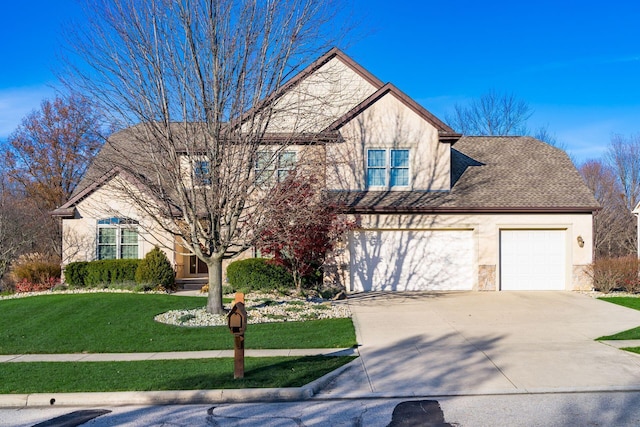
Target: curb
x,y
292,394
176,397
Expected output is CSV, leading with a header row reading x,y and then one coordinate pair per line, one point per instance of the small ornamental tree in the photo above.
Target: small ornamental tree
x,y
300,227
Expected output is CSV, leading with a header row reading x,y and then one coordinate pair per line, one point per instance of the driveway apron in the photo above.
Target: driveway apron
x,y
421,344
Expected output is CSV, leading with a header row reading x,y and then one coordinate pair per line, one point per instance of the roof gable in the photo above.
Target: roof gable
x,y
445,133
324,59
307,73
68,209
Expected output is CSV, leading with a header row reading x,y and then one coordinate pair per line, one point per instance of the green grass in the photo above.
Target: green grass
x,y
192,374
630,302
631,334
123,323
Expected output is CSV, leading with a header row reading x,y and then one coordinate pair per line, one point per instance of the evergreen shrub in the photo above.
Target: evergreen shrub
x,y
258,274
75,273
109,271
156,270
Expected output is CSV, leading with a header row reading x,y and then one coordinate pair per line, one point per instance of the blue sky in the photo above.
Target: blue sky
x,y
577,63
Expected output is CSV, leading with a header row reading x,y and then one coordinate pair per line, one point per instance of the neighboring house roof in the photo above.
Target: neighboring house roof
x,y
491,174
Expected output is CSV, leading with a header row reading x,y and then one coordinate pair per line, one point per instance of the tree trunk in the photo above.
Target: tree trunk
x,y
214,300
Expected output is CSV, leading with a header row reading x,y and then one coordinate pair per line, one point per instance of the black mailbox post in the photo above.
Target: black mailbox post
x,y
237,323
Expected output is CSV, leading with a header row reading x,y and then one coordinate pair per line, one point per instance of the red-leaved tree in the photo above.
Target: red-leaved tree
x,y
302,224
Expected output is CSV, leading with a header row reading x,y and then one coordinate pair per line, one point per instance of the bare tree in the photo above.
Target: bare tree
x,y
614,224
624,157
16,232
492,113
197,85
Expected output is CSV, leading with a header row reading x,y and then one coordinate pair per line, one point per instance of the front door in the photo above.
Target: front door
x,y
196,266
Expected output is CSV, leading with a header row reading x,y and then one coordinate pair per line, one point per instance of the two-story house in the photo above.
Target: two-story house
x,y
435,210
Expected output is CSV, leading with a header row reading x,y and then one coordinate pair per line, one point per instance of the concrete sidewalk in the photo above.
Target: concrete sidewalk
x,y
210,354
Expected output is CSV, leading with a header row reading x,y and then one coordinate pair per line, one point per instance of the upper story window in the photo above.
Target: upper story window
x,y
388,168
201,172
117,238
270,167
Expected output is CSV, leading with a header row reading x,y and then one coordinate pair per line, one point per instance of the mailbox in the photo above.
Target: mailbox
x,y
237,319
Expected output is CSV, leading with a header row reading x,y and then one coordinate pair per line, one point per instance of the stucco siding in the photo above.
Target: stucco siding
x,y
316,101
388,124
486,235
79,242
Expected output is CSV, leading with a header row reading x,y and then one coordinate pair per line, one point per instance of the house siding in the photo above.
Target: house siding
x,y
388,124
486,231
79,242
314,103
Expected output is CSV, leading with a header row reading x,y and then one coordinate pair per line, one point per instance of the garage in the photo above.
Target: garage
x,y
411,260
533,260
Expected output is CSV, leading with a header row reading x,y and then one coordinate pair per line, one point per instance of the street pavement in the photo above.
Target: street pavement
x,y
606,409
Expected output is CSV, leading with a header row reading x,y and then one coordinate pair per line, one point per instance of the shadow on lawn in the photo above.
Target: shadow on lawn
x,y
261,373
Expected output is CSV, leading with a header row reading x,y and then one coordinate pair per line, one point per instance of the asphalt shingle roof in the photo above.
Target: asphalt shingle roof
x,y
520,174
488,174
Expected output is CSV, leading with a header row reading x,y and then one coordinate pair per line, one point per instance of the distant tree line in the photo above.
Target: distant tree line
x,y
41,164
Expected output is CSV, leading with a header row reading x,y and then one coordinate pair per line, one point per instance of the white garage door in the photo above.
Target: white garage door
x,y
409,260
532,260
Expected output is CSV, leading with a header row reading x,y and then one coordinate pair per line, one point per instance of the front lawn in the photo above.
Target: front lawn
x,y
123,323
631,334
192,374
630,302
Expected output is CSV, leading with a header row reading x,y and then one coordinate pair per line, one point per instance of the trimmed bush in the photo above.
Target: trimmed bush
x,y
75,273
108,271
155,269
258,274
616,274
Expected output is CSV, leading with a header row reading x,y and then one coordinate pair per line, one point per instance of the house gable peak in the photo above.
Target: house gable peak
x,y
446,134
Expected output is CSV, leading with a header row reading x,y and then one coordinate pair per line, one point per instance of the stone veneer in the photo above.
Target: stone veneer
x,y
486,277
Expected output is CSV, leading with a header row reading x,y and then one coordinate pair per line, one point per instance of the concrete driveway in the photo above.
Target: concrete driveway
x,y
430,344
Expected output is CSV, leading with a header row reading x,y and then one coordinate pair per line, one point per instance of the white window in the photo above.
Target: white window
x,y
388,168
117,238
270,167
